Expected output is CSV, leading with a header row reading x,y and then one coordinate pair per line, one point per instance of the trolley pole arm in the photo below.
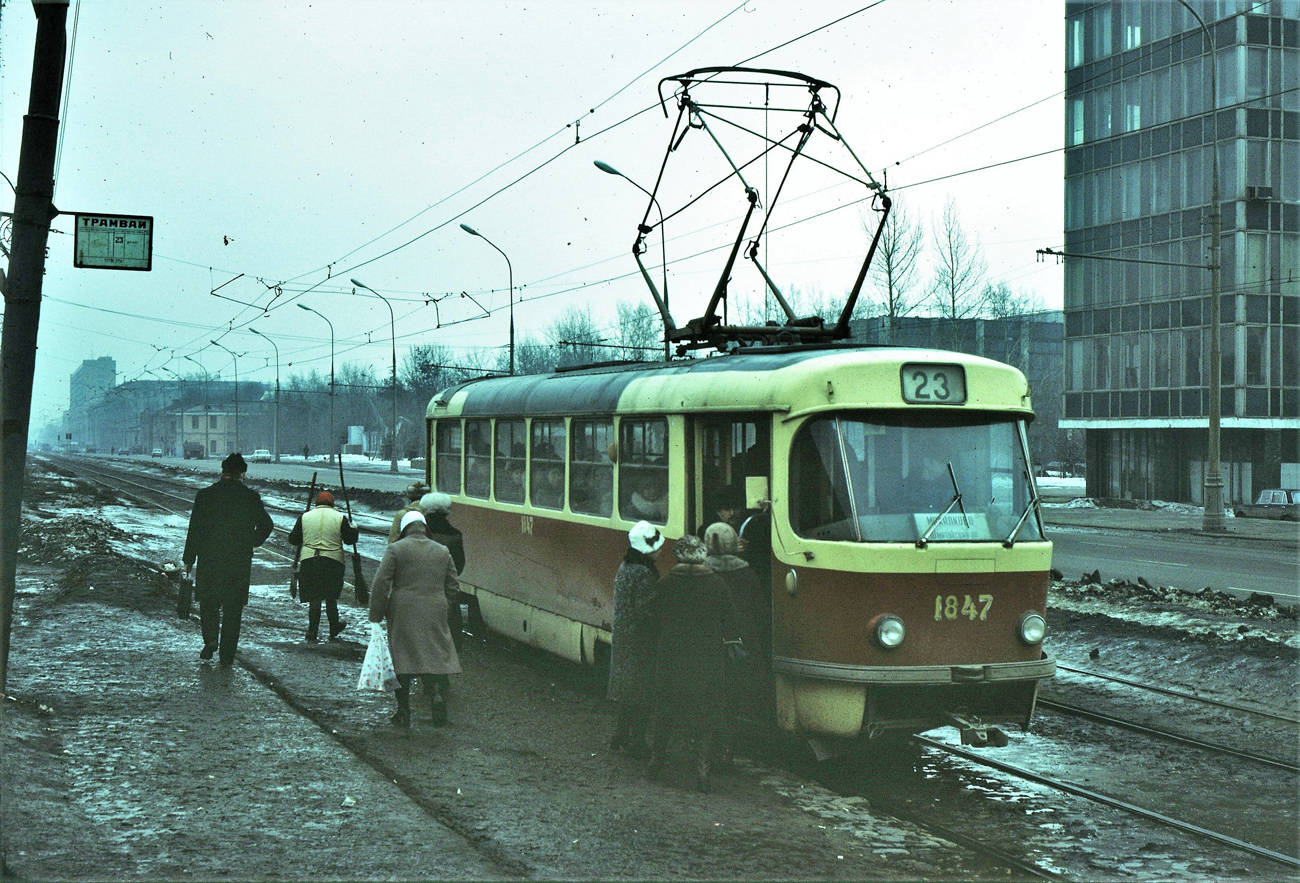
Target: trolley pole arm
x,y
638,248
710,316
842,326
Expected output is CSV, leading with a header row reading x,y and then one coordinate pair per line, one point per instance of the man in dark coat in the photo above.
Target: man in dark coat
x,y
228,521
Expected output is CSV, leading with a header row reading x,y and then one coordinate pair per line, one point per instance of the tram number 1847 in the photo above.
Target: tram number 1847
x,y
947,607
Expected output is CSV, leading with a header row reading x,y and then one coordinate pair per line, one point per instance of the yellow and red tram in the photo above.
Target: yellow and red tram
x,y
908,567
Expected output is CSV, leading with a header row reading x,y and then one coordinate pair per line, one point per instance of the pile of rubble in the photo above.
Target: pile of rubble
x,y
68,539
1258,606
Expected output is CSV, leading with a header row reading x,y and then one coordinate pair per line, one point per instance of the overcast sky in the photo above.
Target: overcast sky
x,y
301,144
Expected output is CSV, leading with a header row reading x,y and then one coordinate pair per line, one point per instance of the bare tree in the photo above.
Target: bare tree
x,y
576,338
959,270
531,357
895,265
640,332
999,301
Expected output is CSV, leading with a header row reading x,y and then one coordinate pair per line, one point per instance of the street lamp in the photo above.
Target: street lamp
x,y
275,443
180,401
303,306
1212,520
643,229
234,356
393,327
207,409
472,232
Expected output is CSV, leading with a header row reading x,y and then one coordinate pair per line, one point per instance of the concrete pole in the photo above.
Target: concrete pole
x,y
33,211
1212,519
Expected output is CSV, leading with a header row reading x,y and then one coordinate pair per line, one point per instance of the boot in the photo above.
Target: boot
x,y
702,772
622,732
403,695
438,706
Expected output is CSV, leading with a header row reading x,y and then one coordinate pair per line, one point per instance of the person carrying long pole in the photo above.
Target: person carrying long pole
x,y
297,548
321,534
358,577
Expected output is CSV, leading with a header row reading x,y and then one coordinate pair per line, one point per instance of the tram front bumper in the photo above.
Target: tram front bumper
x,y
853,701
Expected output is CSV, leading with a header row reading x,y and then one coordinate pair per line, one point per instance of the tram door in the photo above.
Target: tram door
x,y
728,449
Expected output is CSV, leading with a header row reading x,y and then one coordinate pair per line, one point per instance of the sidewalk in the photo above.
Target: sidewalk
x,y
1283,533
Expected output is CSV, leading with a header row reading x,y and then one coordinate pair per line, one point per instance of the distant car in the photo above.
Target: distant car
x,y
261,455
157,452
1272,503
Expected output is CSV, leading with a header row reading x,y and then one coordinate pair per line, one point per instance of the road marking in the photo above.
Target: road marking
x,y
1164,563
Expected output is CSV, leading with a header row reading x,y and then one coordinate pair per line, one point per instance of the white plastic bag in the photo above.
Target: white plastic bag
x,y
377,668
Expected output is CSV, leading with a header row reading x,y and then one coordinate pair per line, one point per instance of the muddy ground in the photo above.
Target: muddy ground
x,y
124,757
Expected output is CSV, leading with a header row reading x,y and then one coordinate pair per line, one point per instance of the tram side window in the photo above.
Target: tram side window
x,y
546,477
448,456
643,470
510,457
591,472
478,458
819,496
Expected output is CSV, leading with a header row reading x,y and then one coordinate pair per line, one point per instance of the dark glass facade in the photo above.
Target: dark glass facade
x,y
1141,137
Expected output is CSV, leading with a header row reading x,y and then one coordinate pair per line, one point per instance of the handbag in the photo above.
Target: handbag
x,y
377,668
185,598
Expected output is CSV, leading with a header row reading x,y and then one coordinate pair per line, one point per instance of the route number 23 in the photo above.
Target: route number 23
x,y
947,607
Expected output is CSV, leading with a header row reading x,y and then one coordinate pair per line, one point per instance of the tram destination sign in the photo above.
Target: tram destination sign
x,y
113,242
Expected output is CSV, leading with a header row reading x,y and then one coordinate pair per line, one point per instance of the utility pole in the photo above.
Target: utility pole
x,y
33,211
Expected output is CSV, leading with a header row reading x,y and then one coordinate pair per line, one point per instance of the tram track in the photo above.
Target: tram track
x,y
1091,795
1179,694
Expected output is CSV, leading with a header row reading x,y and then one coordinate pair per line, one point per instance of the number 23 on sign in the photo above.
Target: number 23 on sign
x,y
946,607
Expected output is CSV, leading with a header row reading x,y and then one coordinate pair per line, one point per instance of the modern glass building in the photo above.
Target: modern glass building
x,y
1140,137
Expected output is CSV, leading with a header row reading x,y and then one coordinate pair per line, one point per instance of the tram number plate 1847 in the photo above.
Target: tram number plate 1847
x,y
951,607
926,384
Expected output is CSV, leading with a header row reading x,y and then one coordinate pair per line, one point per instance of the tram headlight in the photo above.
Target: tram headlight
x,y
1032,628
888,632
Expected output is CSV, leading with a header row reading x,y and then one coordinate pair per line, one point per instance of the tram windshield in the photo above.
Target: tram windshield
x,y
890,477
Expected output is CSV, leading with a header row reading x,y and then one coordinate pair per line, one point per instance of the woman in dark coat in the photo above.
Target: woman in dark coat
x,y
695,619
415,582
747,685
631,660
436,509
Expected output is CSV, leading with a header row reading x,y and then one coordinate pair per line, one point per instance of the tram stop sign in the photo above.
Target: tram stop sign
x,y
114,242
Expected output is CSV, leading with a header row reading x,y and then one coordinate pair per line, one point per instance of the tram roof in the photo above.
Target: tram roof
x,y
601,388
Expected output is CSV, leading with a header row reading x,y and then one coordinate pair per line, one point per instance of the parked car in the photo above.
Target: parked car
x,y
261,455
1272,503
157,452
193,450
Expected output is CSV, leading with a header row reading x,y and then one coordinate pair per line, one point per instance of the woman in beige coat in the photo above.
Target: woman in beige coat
x,y
415,584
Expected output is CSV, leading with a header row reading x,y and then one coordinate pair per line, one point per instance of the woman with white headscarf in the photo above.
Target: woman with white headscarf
x,y
631,660
413,587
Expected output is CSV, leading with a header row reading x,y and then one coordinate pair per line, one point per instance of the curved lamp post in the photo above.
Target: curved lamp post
x,y
234,355
207,412
663,244
275,434
392,324
303,306
472,232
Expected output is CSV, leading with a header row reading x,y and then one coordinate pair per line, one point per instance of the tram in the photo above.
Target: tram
x,y
907,576
908,570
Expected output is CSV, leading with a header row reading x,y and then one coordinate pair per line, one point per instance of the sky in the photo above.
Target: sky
x,y
284,149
